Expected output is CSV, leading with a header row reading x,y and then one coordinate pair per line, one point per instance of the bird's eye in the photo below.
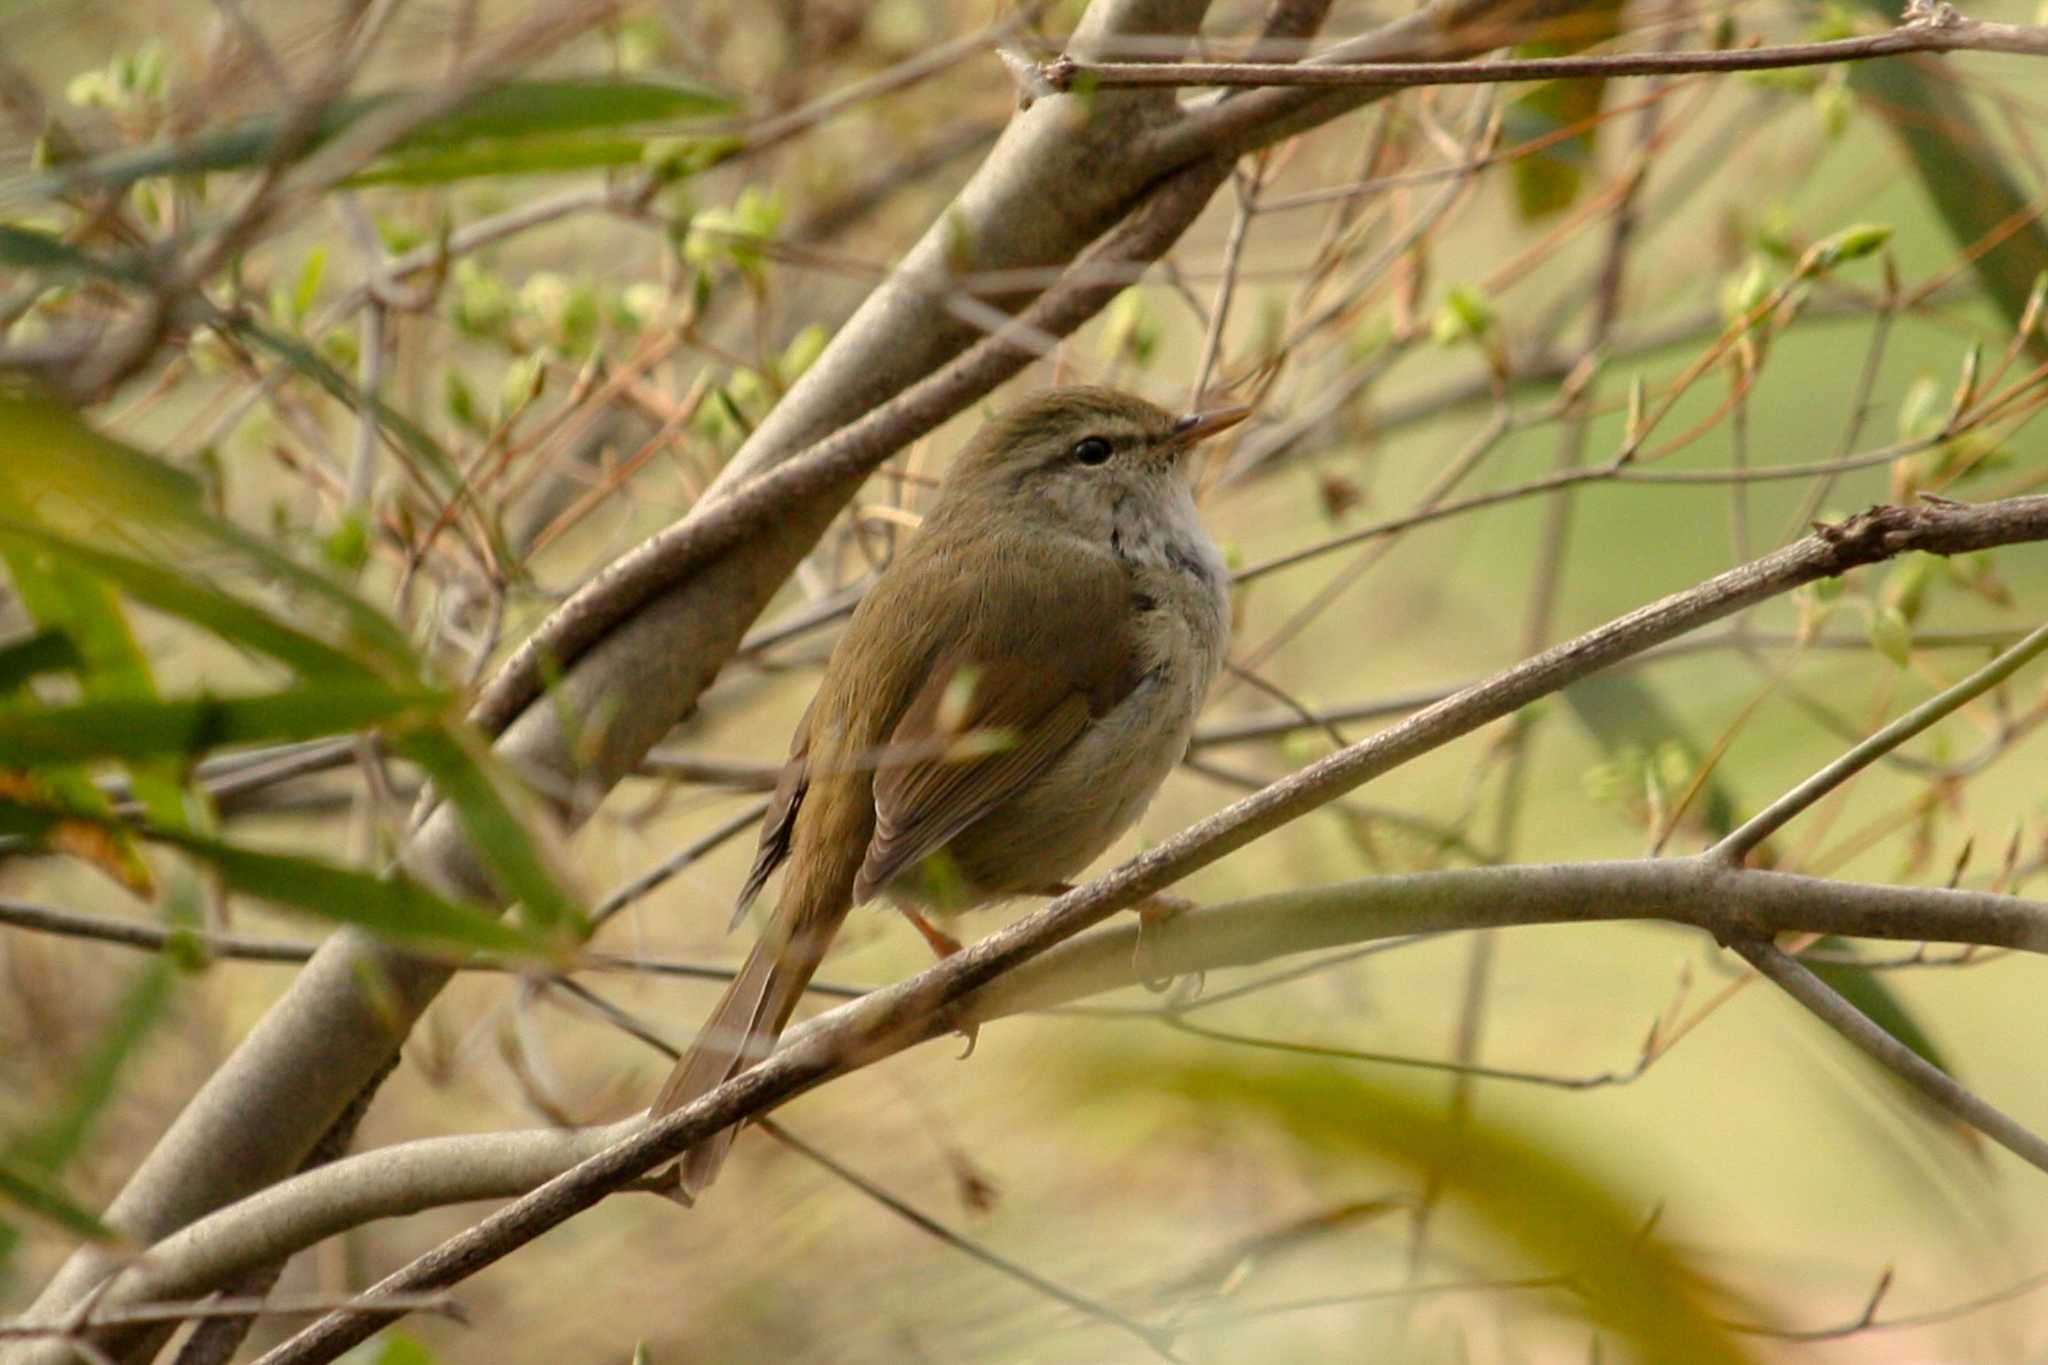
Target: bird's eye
x,y
1091,450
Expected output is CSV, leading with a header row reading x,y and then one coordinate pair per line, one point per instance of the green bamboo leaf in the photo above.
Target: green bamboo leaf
x,y
571,103
130,729
1542,1201
513,110
189,599
111,667
464,773
528,156
1964,171
50,259
1548,180
46,449
113,481
395,907
36,1193
1865,990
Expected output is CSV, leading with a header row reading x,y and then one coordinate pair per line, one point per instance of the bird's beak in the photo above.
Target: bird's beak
x,y
1200,426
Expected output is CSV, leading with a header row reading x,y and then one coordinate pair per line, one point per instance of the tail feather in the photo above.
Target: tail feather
x,y
740,1032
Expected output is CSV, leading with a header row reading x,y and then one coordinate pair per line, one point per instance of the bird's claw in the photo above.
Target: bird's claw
x,y
1154,909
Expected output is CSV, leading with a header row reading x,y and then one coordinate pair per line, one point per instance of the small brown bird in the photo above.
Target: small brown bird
x,y
1005,702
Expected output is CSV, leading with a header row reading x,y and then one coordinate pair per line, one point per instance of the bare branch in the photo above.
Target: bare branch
x,y
1767,822
892,1019
1954,34
1930,1080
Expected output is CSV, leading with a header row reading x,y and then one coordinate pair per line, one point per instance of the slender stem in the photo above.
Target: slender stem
x,y
1766,822
1159,1340
1733,905
1933,36
1937,1085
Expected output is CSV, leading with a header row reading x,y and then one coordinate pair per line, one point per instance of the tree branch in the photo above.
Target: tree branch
x,y
1136,159
1732,904
1957,34
894,1018
1768,821
1930,1080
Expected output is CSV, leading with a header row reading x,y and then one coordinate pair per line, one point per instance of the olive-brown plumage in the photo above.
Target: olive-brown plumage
x,y
1003,705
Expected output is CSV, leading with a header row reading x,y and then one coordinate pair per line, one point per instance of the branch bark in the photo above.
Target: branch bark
x,y
1928,35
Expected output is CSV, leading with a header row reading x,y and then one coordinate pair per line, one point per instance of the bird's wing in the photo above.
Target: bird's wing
x,y
780,823
1036,657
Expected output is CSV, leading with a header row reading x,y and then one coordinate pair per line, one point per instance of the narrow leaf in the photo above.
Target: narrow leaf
x,y
45,448
1964,171
32,737
505,843
110,666
30,1190
191,600
51,258
1542,1201
515,109
395,907
530,156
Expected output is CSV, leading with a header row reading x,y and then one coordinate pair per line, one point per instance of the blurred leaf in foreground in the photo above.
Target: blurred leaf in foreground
x,y
1964,170
1543,1206
1547,179
394,907
504,115
366,676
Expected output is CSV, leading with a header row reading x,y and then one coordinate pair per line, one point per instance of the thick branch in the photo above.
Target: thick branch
x,y
314,1051
325,1039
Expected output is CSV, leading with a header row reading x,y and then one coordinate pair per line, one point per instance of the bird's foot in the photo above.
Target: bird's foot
x,y
1153,911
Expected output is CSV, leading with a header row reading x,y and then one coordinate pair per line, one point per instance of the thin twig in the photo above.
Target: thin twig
x,y
1952,34
1159,1340
1937,1085
1768,821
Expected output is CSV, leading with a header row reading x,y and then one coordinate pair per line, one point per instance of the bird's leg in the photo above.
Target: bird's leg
x,y
943,944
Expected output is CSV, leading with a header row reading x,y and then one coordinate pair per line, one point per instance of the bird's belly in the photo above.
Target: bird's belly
x,y
1097,789
1089,796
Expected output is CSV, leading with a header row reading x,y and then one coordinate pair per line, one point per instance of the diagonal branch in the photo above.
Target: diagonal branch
x,y
1960,35
1802,985
930,1004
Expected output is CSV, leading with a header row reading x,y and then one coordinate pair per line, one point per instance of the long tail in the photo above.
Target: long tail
x,y
741,1031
